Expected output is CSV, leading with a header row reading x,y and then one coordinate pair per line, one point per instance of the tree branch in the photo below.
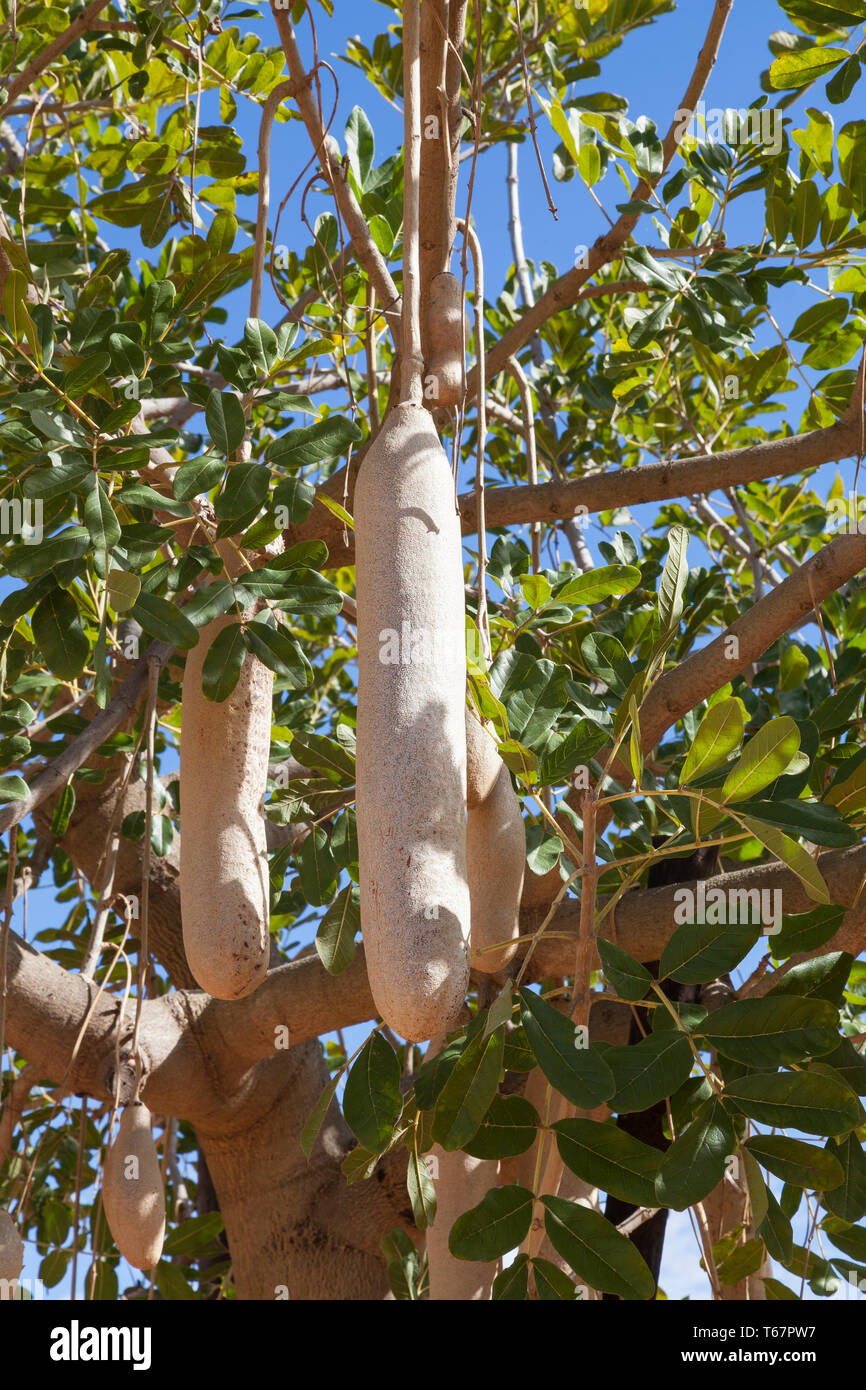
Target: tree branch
x,y
440,22
366,249
623,487
566,290
106,723
58,46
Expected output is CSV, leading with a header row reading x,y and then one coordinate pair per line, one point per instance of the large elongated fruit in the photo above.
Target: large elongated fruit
x,y
224,750
445,380
411,757
460,1182
11,1248
495,851
132,1190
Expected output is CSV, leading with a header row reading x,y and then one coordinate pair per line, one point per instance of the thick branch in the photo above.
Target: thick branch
x,y
622,487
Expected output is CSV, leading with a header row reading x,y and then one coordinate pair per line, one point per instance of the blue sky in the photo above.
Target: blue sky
x,y
651,69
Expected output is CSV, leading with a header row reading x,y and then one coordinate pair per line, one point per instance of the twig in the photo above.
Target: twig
x,y
528,89
11,862
531,457
366,249
478,269
269,111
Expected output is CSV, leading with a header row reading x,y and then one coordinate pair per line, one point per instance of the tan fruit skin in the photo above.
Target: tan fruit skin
x,y
482,761
11,1248
411,756
135,1207
462,1183
223,854
495,850
445,335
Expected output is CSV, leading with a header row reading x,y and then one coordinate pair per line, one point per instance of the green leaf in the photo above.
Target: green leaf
x,y
702,951
770,1031
648,1071
794,1161
821,977
317,869
816,1104
25,561
277,650
756,1186
335,938
509,1128
162,620
850,1064
805,65
775,1231
318,1113
673,580
422,1193
745,1259
197,476
467,1094
764,758
63,810
848,1199
372,1101
325,440
211,602
195,1236
579,1073
598,585
498,1224
315,750
79,379
244,492
812,819
360,146
511,1285
296,497
13,788
99,517
608,1158
224,417
825,12
630,979
844,80
792,854
596,1251
551,1283
575,750
222,665
695,1163
59,634
719,734
260,341
158,300
608,660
